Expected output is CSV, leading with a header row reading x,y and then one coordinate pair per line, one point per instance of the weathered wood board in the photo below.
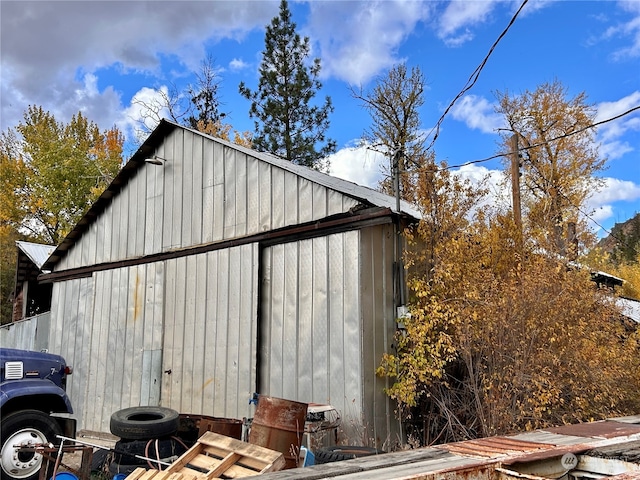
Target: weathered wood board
x,y
217,456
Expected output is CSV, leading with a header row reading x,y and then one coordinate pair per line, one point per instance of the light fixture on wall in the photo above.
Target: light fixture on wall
x,y
155,160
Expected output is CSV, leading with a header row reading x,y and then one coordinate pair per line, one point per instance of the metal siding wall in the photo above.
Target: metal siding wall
x,y
311,330
379,327
70,335
210,339
204,192
109,329
29,334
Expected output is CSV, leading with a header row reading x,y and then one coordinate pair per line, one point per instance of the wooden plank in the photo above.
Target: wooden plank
x,y
136,474
214,455
224,465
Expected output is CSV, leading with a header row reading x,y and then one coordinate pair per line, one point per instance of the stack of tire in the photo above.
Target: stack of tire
x,y
147,435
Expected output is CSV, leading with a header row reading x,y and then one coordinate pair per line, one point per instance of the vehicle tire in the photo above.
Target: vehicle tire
x,y
25,426
143,423
343,452
126,451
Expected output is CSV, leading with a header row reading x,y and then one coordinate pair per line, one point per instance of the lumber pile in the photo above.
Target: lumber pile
x,y
217,456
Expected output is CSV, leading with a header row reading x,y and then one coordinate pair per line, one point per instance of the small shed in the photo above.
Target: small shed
x,y
207,271
29,297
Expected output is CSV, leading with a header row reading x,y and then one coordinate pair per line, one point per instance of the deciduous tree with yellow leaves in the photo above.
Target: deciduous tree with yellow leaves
x,y
506,335
50,174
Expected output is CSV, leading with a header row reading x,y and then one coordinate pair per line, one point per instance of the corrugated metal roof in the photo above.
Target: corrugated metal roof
x,y
630,308
493,447
364,194
37,252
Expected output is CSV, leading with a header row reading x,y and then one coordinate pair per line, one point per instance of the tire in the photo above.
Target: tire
x,y
26,426
343,452
126,451
144,423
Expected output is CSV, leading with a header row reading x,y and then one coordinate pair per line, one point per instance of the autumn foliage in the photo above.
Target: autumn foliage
x,y
508,335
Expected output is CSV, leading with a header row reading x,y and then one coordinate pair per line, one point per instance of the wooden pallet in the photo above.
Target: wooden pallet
x,y
217,456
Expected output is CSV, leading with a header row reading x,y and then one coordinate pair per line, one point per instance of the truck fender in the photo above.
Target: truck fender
x,y
33,388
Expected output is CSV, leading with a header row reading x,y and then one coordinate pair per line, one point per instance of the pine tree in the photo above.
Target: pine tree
x,y
286,123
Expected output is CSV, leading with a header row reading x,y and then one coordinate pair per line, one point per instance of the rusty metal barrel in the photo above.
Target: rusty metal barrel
x,y
278,424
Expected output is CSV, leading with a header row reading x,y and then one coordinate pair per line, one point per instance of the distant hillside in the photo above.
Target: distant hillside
x,y
624,241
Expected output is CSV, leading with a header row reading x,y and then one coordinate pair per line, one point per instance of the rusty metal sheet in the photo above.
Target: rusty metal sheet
x,y
604,429
494,447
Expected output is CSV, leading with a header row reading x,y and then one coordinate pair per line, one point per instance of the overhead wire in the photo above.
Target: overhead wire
x,y
473,78
539,144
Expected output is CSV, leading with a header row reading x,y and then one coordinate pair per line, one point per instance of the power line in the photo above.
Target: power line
x,y
535,145
473,78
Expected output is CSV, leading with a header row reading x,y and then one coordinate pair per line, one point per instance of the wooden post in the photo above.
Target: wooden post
x,y
515,187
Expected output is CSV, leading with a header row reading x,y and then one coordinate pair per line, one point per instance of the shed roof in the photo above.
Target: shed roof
x,y
366,195
36,252
630,308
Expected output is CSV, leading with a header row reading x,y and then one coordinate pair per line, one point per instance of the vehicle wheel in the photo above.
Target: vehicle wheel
x,y
343,452
25,427
143,423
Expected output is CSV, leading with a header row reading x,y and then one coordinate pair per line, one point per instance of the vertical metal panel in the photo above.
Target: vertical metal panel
x,y
305,200
253,196
43,325
29,334
230,199
219,152
311,325
121,212
113,368
265,189
74,334
241,194
319,201
204,192
136,228
176,140
107,232
207,191
291,200
278,198
152,231
210,347
379,327
186,198
171,174
196,190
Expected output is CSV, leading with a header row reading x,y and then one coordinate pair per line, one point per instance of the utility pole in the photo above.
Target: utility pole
x,y
515,186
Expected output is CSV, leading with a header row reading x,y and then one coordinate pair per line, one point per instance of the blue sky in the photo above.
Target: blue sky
x,y
101,56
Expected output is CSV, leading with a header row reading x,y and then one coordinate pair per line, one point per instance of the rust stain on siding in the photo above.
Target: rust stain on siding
x,y
207,383
137,298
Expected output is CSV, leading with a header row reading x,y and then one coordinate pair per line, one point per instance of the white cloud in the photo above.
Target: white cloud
x,y
615,190
358,165
498,194
600,207
458,15
630,28
477,113
609,134
238,64
362,41
143,113
86,36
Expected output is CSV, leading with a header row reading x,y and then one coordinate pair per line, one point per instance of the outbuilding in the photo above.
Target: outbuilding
x,y
208,271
